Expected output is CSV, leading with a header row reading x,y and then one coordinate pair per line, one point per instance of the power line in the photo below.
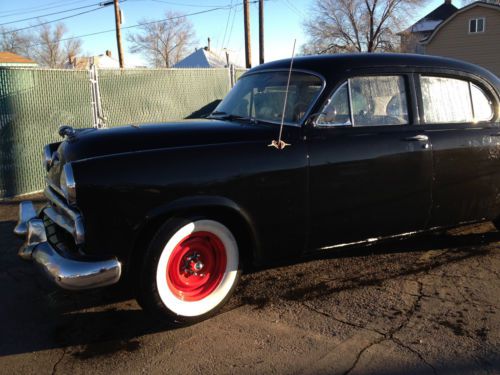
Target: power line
x,y
227,24
145,23
177,17
294,8
231,29
50,14
47,22
26,9
133,26
15,12
181,4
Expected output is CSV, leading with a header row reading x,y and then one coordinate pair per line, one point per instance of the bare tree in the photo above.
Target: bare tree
x,y
357,25
50,50
16,42
163,43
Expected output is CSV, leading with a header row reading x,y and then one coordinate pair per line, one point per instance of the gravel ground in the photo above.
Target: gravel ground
x,y
422,305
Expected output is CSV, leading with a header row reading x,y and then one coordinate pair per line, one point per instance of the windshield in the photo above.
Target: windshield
x,y
261,97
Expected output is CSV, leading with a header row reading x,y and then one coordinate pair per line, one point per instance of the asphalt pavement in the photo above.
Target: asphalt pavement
x,y
428,304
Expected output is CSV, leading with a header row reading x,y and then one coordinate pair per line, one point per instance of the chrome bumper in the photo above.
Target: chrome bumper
x,y
66,273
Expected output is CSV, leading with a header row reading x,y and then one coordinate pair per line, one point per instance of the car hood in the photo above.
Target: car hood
x,y
89,143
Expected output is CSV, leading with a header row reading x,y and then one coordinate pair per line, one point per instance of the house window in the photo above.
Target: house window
x,y
476,25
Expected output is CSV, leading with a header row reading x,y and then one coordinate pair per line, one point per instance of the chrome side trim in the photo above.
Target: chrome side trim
x,y
71,220
399,235
26,213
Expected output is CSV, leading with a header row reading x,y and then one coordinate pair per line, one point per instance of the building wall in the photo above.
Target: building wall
x,y
454,40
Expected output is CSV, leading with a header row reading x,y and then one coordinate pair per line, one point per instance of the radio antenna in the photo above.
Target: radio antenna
x,y
280,144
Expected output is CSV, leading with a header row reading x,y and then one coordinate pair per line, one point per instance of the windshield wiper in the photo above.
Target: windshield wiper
x,y
217,113
220,115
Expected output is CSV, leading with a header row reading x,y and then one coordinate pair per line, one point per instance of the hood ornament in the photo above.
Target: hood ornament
x,y
67,131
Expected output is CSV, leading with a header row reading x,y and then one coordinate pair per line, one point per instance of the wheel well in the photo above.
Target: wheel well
x,y
229,217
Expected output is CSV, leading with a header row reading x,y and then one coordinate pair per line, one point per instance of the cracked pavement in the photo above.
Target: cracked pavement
x,y
422,305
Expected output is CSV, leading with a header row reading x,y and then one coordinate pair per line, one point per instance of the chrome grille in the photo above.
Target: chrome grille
x,y
65,216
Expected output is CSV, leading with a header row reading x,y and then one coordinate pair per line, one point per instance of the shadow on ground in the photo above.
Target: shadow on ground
x,y
37,317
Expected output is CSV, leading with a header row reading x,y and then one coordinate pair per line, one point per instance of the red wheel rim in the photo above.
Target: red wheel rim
x,y
196,266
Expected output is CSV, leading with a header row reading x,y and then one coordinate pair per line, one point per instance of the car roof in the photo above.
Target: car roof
x,y
325,64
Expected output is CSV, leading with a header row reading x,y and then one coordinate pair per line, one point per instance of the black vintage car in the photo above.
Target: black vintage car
x,y
372,145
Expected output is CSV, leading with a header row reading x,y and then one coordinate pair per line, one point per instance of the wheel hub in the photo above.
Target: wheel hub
x,y
193,264
196,266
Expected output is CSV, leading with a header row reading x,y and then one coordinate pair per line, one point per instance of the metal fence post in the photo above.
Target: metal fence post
x,y
232,73
99,121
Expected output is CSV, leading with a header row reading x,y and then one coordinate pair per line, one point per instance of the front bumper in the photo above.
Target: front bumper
x,y
73,274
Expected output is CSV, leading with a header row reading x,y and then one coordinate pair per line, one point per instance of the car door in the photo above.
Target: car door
x,y
458,114
370,170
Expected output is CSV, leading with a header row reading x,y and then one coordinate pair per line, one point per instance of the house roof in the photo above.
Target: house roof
x,y
12,58
442,12
202,58
104,61
430,21
462,10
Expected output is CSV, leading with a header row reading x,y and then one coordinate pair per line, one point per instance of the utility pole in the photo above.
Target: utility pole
x,y
261,31
248,47
118,21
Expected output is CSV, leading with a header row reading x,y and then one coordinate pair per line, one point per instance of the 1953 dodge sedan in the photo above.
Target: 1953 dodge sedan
x,y
372,145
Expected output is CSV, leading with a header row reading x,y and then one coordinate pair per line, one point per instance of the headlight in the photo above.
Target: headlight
x,y
68,185
47,158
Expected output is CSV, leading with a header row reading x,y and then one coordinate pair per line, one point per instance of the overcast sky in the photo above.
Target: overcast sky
x,y
283,22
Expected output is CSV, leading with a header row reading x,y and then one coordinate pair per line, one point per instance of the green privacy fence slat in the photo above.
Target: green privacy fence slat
x,y
35,102
153,95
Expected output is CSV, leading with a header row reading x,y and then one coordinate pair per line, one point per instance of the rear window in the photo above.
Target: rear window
x,y
451,100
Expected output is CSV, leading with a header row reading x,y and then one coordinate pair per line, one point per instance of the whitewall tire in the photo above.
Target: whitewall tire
x,y
191,269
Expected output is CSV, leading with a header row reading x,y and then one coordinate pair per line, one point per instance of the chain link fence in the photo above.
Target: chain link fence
x,y
35,102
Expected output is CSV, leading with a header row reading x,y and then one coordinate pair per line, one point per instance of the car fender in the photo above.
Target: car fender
x,y
200,202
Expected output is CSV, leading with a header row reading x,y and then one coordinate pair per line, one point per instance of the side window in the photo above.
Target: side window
x,y
451,100
379,101
482,105
336,111
445,100
373,101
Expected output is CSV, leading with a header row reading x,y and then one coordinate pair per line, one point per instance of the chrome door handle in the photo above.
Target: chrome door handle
x,y
417,138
